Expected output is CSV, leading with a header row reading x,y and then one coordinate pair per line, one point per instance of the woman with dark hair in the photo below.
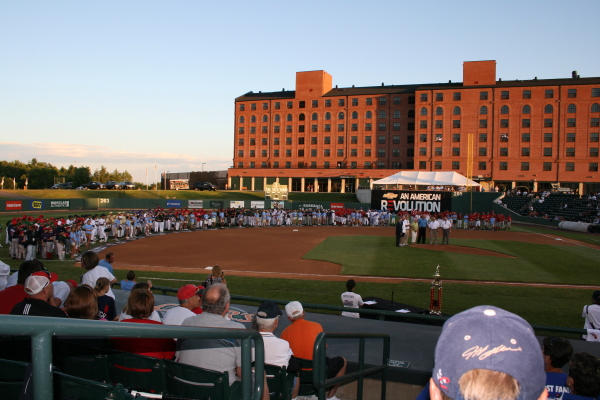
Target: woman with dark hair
x,y
82,303
107,308
126,314
89,262
141,306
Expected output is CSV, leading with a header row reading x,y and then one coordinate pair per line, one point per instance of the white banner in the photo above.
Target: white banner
x,y
195,203
236,204
257,204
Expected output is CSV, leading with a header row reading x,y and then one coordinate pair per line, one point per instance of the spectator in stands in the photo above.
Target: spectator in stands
x,y
351,299
14,294
39,303
217,276
108,261
557,352
189,299
128,284
584,377
277,351
82,303
107,308
591,313
301,335
126,314
89,261
141,306
488,353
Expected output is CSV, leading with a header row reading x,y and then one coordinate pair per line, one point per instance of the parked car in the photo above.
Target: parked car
x,y
204,186
66,185
111,184
94,185
126,185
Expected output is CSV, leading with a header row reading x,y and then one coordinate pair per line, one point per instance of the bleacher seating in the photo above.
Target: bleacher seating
x,y
577,209
517,204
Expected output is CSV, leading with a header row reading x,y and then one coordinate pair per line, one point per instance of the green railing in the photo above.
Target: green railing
x,y
42,329
320,368
379,313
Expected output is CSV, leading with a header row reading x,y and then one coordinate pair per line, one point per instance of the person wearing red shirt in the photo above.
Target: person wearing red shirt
x,y
16,294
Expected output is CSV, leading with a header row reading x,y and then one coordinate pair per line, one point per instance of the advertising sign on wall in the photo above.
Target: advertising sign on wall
x,y
14,205
236,204
278,204
37,204
257,204
195,203
336,206
59,203
173,203
396,200
216,204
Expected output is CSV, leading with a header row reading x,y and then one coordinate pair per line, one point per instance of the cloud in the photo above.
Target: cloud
x,y
65,154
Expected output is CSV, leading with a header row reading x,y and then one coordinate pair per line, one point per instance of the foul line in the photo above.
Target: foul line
x,y
552,237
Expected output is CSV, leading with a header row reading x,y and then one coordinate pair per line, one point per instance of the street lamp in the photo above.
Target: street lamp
x,y
202,167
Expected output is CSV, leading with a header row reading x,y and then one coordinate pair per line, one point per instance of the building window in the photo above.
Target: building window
x,y
327,140
571,108
595,92
240,142
263,153
396,113
548,123
252,153
368,126
504,123
594,137
327,128
439,124
456,137
456,96
504,151
253,106
314,128
423,137
265,106
302,117
313,152
483,95
423,124
264,141
301,140
483,152
504,95
547,166
422,111
326,152
526,109
456,111
382,126
439,111
396,139
340,102
571,137
410,126
422,165
570,166
367,139
395,152
572,93
242,119
525,123
410,152
315,103
455,165
276,153
525,137
547,151
482,166
277,118
300,152
253,119
288,129
277,105
353,165
354,115
396,126
380,152
240,153
483,110
548,109
353,153
396,165
483,137
439,97
368,115
570,151
367,165
340,128
456,123
241,130
503,166
526,94
288,164
483,123
340,140
437,151
242,107
252,142
289,117
422,151
456,151
423,97
367,152
571,122
382,114
595,108
252,129
327,103
524,166
354,127
369,101
437,165
411,113
354,139
594,122
504,137
381,139
276,129
504,110
290,104
382,101
410,139
252,164
354,102
593,167
288,141
265,129
549,93
438,137
524,151
593,152
547,137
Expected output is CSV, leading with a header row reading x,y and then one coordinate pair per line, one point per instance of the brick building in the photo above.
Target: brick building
x,y
519,133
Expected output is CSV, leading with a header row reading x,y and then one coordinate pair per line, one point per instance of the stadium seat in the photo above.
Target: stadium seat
x,y
136,372
189,381
81,361
280,382
306,378
11,378
67,387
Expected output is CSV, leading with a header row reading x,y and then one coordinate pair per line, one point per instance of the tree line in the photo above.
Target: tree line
x,y
42,175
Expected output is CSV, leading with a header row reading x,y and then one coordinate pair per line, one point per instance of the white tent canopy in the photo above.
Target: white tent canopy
x,y
423,178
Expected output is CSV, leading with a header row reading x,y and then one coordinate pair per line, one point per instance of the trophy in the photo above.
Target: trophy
x,y
435,301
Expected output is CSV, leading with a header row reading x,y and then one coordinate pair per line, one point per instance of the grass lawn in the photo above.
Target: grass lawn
x,y
583,237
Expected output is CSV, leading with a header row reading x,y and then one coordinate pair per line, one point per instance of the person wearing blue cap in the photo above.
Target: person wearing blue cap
x,y
488,353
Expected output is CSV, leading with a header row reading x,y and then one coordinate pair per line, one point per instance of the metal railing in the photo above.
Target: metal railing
x,y
320,368
42,329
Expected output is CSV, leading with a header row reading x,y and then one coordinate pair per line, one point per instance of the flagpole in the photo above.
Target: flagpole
x,y
146,178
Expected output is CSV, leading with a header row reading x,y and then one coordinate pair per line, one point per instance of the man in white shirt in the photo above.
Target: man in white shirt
x,y
189,299
446,225
277,351
433,230
351,299
591,313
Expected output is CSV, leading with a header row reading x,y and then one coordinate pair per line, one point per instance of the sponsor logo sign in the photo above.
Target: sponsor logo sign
x,y
173,203
257,204
278,204
14,205
60,203
37,204
216,204
303,206
236,204
432,202
195,203
336,206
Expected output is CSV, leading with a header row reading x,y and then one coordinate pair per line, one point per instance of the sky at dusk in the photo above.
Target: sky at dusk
x,y
127,84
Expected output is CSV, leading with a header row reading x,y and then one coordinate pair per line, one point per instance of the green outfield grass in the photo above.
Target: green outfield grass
x,y
581,236
378,256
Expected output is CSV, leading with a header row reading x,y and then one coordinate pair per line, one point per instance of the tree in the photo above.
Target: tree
x,y
101,175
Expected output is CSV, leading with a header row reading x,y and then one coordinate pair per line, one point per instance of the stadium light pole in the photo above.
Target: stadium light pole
x,y
202,167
